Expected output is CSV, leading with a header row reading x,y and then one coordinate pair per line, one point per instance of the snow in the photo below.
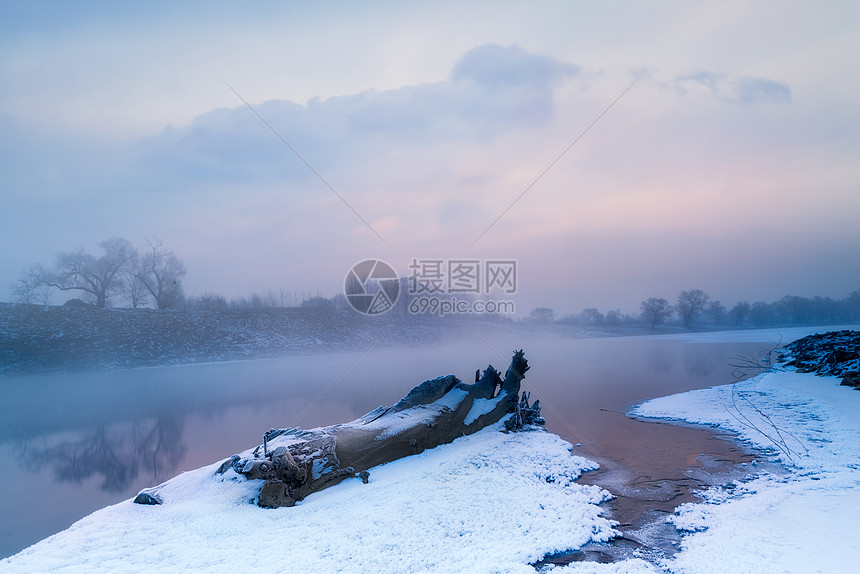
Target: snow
x,y
796,518
488,502
452,398
783,335
483,406
395,423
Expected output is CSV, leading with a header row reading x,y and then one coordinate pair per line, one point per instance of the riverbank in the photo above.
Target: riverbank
x,y
46,339
487,502
587,382
795,516
651,467
36,339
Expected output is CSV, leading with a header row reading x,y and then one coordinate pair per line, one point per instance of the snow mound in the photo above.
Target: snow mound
x,y
797,521
488,502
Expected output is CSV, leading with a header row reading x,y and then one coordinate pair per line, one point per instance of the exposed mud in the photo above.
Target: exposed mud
x,y
651,468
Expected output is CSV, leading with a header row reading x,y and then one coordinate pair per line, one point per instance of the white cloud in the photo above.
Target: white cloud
x,y
492,89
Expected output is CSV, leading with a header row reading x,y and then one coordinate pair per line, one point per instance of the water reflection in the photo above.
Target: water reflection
x,y
660,360
698,363
696,360
115,454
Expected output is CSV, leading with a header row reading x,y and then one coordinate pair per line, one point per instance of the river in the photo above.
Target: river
x,y
75,442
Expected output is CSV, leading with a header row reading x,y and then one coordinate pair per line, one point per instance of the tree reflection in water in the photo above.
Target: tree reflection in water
x,y
660,360
698,362
116,453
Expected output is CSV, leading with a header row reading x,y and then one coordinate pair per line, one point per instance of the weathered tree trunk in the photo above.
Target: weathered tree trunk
x,y
294,463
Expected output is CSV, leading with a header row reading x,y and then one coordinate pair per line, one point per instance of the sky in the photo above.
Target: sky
x,y
729,165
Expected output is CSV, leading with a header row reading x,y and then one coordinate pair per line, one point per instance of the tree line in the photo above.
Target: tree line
x,y
121,273
695,307
272,299
152,276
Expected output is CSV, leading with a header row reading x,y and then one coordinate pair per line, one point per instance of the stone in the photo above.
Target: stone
x,y
147,498
852,380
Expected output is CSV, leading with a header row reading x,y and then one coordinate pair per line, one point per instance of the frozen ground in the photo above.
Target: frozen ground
x,y
800,520
489,502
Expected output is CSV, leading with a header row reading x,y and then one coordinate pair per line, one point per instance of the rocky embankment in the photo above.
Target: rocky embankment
x,y
834,354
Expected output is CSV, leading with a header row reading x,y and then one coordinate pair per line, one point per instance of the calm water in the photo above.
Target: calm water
x,y
73,443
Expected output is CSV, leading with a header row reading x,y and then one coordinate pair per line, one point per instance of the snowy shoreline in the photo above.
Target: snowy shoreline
x,y
489,501
501,502
787,522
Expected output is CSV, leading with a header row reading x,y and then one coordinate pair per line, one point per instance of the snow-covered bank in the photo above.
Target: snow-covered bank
x,y
798,521
488,502
781,335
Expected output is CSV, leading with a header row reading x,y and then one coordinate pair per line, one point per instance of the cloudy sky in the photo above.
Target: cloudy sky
x,y
731,165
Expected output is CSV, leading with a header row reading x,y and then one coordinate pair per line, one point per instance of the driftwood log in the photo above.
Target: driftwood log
x,y
292,463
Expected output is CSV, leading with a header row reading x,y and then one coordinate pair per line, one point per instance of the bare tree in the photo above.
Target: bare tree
x,y
615,317
319,302
135,291
30,289
656,310
542,315
739,312
161,273
341,304
99,277
716,310
690,304
761,314
24,288
591,316
209,301
852,306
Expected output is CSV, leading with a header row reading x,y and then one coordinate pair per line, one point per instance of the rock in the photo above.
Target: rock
x,y
852,380
147,498
829,354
